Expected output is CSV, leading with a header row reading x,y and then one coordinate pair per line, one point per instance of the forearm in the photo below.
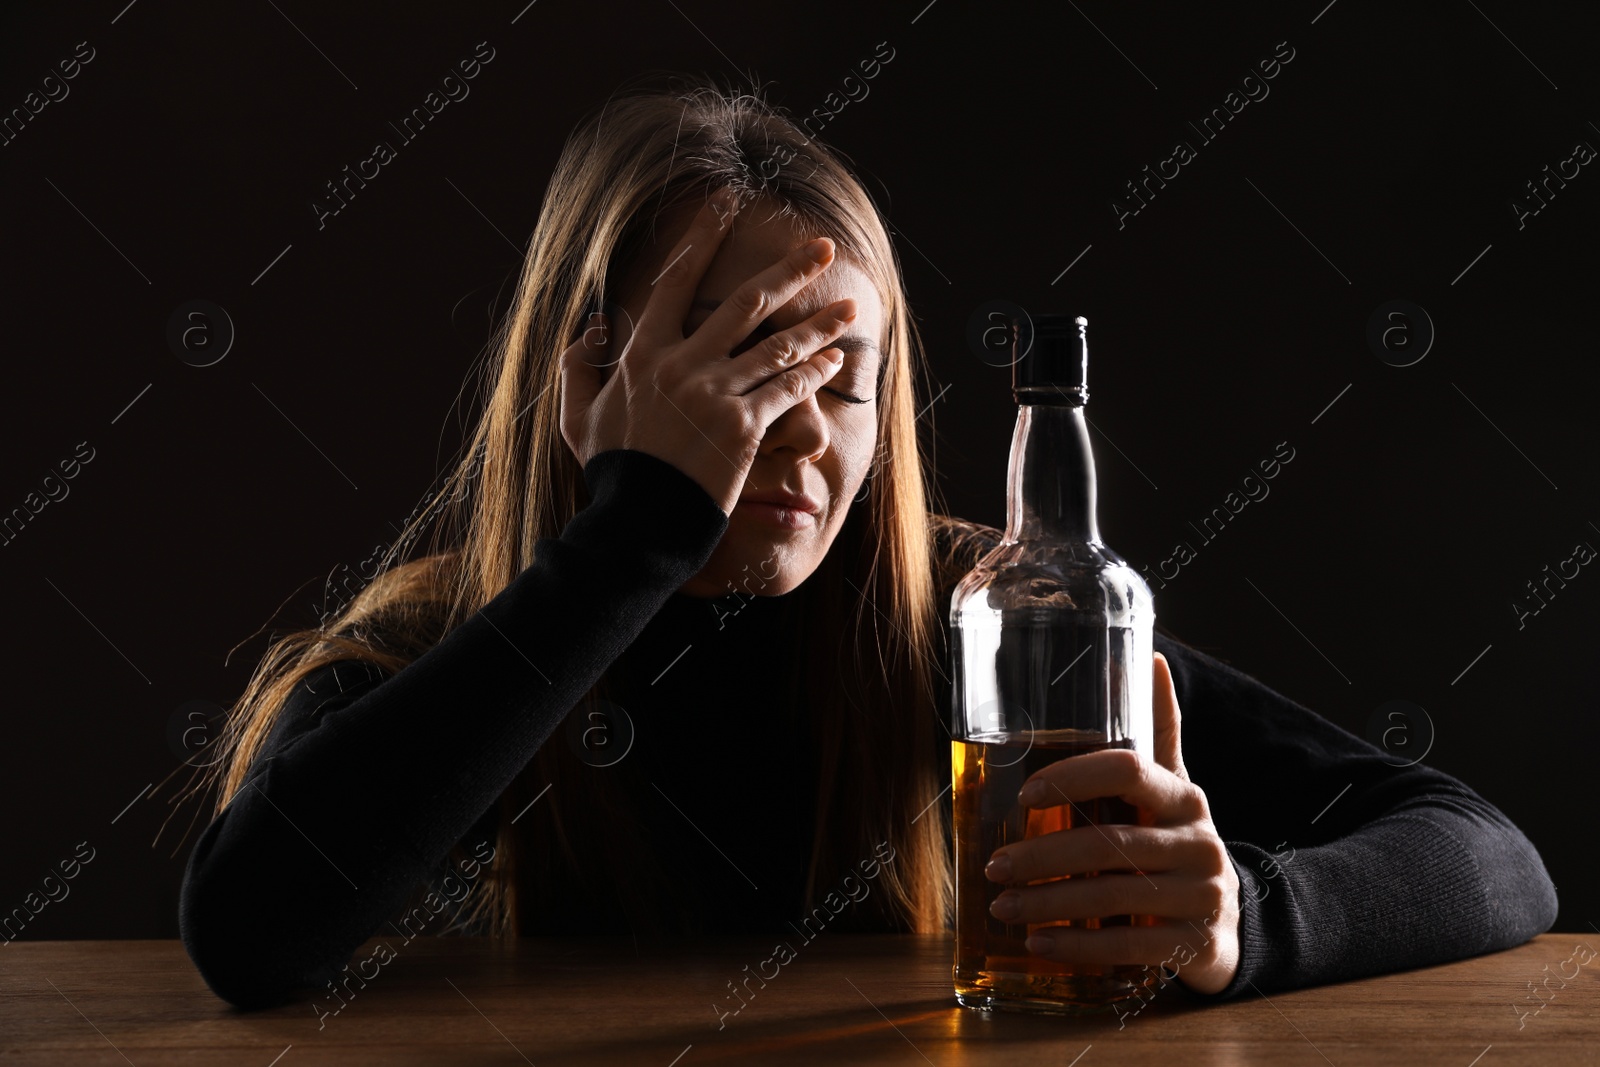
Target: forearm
x,y
1437,879
356,806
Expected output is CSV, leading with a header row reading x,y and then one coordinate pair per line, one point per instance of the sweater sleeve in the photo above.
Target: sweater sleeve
x,y
365,782
1348,864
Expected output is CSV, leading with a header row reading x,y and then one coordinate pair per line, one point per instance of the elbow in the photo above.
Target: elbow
x,y
1543,904
1521,894
238,985
236,964
235,952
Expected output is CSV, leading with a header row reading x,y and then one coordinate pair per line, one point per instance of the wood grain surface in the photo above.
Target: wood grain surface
x,y
845,999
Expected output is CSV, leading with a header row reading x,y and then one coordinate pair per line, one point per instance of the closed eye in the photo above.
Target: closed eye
x,y
763,330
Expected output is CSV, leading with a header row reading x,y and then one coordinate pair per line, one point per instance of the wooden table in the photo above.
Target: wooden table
x,y
844,999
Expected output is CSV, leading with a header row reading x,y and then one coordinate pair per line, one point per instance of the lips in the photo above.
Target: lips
x,y
794,501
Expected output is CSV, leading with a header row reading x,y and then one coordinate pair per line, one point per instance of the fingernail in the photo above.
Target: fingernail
x,y
834,356
1039,944
845,312
818,249
1006,906
1031,794
999,869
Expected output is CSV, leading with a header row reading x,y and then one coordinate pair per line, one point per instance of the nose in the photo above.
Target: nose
x,y
802,430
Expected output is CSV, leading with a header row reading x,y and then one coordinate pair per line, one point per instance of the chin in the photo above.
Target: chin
x,y
781,583
743,581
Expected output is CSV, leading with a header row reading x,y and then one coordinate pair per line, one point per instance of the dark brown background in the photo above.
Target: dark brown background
x,y
1225,318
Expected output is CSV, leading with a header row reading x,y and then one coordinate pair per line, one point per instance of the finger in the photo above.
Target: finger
x,y
793,386
1163,944
672,289
1098,847
786,348
1168,719
759,297
1107,896
581,380
1115,772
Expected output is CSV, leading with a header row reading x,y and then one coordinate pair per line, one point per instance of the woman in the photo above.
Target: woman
x,y
756,692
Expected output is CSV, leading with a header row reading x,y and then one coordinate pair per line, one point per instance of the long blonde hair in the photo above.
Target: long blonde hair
x,y
871,677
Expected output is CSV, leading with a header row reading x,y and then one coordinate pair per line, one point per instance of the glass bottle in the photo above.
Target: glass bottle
x,y
1051,640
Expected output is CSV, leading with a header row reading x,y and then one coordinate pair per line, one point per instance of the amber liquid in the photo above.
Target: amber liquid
x,y
994,968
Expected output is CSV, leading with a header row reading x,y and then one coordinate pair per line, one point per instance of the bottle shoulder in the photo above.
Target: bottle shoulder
x,y
1082,576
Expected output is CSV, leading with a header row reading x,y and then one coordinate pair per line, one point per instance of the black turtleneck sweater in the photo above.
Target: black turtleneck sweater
x,y
367,780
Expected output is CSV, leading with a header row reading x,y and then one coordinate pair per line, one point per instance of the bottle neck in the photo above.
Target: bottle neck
x,y
1051,493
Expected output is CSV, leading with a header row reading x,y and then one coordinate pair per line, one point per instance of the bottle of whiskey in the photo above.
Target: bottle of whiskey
x,y
1051,640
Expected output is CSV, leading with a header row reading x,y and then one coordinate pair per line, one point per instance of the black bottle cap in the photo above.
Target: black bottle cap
x,y
1054,365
